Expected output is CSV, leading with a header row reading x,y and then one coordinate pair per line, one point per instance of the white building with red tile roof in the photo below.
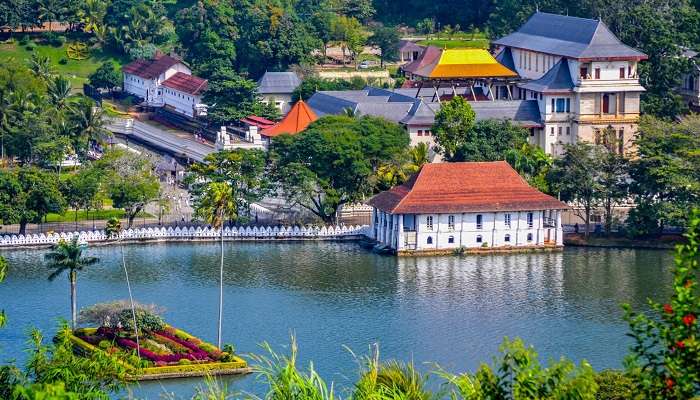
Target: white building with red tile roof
x,y
470,205
165,81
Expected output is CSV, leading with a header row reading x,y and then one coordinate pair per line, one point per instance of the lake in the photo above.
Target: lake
x,y
336,296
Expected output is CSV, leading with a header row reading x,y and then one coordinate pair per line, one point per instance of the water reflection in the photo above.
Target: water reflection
x,y
451,310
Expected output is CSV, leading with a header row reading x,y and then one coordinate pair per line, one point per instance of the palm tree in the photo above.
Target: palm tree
x,y
41,66
216,205
50,10
58,91
90,122
417,156
68,256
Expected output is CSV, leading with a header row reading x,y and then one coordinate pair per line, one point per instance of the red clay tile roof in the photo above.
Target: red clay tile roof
x,y
182,82
430,55
150,69
260,122
298,118
464,187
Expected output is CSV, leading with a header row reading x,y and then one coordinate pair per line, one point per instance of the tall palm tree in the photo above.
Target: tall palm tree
x,y
216,205
68,256
41,66
90,122
58,91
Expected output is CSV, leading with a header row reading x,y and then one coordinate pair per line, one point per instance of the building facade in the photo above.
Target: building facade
x,y
277,88
690,83
471,205
584,79
165,81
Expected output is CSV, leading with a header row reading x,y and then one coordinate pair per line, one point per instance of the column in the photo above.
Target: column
x,y
374,224
399,232
390,242
559,231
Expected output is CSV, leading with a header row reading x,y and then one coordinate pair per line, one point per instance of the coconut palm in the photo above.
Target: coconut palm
x,y
89,121
68,256
417,157
58,91
41,66
216,205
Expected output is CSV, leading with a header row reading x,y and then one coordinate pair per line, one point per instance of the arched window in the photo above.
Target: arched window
x,y
451,239
506,238
429,240
529,237
479,239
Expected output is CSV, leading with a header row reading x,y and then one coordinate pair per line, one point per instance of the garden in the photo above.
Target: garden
x,y
154,350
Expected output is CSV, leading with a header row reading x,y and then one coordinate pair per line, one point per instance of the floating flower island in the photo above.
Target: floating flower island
x,y
161,350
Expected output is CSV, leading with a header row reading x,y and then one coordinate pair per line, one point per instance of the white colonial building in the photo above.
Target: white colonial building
x,y
165,81
471,205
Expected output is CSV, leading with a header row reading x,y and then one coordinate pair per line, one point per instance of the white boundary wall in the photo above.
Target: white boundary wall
x,y
193,233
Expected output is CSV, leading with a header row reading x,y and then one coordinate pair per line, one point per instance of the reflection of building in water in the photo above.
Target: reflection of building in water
x,y
485,281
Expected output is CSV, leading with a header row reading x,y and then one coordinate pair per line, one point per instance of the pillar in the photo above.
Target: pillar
x,y
559,230
399,232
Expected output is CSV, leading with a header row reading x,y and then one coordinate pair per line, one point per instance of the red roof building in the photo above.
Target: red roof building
x,y
298,118
468,204
151,69
185,83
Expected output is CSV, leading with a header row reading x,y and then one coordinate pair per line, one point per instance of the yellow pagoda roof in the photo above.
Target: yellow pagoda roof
x,y
465,63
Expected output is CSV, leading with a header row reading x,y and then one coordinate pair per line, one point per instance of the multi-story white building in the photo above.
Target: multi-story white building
x,y
470,205
584,79
690,84
165,81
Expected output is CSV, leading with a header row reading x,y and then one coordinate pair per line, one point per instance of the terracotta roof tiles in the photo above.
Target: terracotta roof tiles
x,y
298,118
150,69
464,187
182,82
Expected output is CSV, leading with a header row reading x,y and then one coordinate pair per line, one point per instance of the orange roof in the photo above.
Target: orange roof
x,y
464,187
464,63
298,118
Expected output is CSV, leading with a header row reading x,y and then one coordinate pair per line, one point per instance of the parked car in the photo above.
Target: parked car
x,y
364,64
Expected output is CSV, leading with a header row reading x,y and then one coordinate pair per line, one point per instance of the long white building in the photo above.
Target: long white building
x,y
470,205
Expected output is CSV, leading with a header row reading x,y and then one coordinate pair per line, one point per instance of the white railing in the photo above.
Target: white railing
x,y
193,233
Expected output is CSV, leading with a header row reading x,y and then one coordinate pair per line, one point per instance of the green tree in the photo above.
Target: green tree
x,y
665,174
613,178
244,170
573,177
68,257
107,76
387,40
216,204
81,190
532,163
234,97
334,161
453,124
664,356
132,184
362,10
27,194
348,33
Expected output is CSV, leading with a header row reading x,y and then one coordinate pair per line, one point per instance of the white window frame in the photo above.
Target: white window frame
x,y
429,222
506,220
530,219
479,221
451,222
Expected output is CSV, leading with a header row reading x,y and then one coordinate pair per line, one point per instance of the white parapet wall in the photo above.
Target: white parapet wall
x,y
193,233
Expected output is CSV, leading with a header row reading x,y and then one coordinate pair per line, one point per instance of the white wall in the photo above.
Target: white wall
x,y
136,85
283,101
182,102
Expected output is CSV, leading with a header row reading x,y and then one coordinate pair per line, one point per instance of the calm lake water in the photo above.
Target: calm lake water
x,y
450,310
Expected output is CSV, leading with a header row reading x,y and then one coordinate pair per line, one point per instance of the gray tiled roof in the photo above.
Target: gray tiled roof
x,y
407,45
411,111
278,82
556,80
567,36
505,57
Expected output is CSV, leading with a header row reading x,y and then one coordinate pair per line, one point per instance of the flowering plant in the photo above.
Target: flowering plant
x,y
666,353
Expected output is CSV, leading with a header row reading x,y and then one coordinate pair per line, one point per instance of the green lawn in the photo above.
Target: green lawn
x,y
75,70
69,216
456,43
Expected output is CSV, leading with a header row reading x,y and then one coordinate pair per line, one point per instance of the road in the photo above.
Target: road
x,y
177,143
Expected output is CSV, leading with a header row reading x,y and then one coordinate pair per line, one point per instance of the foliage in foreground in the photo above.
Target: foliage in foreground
x,y
665,358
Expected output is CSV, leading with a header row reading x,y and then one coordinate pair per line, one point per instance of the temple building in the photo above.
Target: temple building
x,y
583,78
477,206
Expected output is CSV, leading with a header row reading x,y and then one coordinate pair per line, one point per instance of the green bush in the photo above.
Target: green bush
x,y
146,321
184,361
31,46
54,39
63,61
104,344
614,385
24,40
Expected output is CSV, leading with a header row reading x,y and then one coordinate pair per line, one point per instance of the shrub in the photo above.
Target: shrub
x,y
485,244
184,361
24,40
31,46
54,39
614,385
108,314
104,344
63,61
145,320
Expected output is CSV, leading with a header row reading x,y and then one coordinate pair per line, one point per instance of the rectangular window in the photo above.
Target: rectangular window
x,y
451,239
479,239
479,221
506,220
597,73
568,105
529,220
553,107
429,222
568,130
551,132
420,132
451,222
622,72
559,130
561,105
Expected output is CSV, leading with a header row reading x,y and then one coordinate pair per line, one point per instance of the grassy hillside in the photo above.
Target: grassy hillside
x,y
75,70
